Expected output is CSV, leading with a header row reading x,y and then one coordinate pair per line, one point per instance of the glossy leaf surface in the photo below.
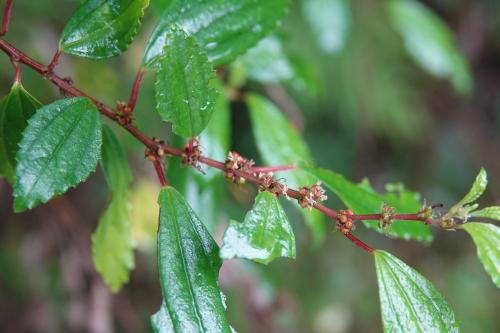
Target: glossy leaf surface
x,y
224,28
363,200
112,247
183,92
430,42
476,189
279,143
188,263
102,28
60,148
488,212
409,302
487,239
15,110
264,235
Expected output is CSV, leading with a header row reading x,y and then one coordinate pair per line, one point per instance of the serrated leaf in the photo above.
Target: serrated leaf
x,y
330,21
409,302
364,201
264,235
183,92
60,148
487,239
224,28
280,144
430,42
488,212
15,110
188,263
112,247
476,190
102,28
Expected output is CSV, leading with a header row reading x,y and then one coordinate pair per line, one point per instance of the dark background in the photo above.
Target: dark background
x,y
367,110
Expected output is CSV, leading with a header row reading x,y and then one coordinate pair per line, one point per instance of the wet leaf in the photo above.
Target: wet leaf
x,y
15,110
365,201
183,92
60,148
488,212
188,262
102,29
264,235
409,302
476,190
271,130
112,247
224,28
487,239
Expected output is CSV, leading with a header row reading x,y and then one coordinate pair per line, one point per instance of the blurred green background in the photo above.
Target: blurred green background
x,y
377,91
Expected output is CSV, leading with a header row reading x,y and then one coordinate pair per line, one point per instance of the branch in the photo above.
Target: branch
x,y
6,17
156,149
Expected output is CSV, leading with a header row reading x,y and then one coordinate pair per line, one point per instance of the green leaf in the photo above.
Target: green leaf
x,y
280,144
205,192
15,110
161,321
59,149
224,28
183,92
329,20
409,302
188,263
430,42
487,239
488,212
102,28
267,62
476,190
364,201
112,248
264,235
114,163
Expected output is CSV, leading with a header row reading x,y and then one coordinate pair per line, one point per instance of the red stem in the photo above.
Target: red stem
x,y
55,60
401,217
265,169
135,89
160,172
359,243
6,17
19,56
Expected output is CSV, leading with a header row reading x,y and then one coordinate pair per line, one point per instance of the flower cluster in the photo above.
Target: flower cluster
x,y
344,221
269,184
309,196
191,154
236,162
155,152
386,216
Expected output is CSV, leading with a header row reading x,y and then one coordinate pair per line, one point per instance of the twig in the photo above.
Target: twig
x,y
135,90
6,17
155,145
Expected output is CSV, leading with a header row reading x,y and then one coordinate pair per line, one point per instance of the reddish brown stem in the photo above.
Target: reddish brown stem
x,y
401,217
19,56
135,89
17,68
359,243
6,17
160,172
276,168
55,60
